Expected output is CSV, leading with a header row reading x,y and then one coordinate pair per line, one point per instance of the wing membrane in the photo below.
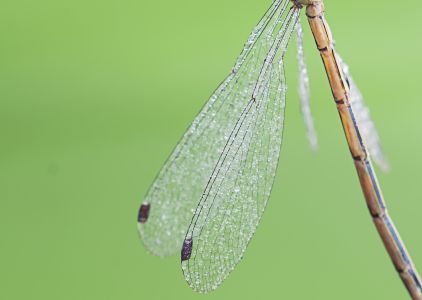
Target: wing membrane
x,y
366,124
240,184
170,203
304,91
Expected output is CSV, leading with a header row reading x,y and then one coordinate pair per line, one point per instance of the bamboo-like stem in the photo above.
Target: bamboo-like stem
x,y
370,187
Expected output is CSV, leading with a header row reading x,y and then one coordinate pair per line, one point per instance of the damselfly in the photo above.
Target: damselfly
x,y
208,198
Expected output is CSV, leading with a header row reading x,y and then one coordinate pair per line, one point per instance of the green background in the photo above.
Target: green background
x,y
94,96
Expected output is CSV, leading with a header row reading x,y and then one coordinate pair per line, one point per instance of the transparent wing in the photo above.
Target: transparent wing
x,y
239,187
304,91
170,202
366,124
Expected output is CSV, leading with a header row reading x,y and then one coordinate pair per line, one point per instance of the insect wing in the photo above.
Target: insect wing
x,y
366,124
168,207
304,91
240,185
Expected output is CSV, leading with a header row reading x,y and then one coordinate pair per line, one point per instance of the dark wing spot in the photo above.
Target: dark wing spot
x,y
187,249
143,212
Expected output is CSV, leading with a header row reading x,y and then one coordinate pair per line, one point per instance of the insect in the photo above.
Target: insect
x,y
208,198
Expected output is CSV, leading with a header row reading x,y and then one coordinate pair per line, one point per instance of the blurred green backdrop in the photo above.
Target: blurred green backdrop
x,y
94,96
